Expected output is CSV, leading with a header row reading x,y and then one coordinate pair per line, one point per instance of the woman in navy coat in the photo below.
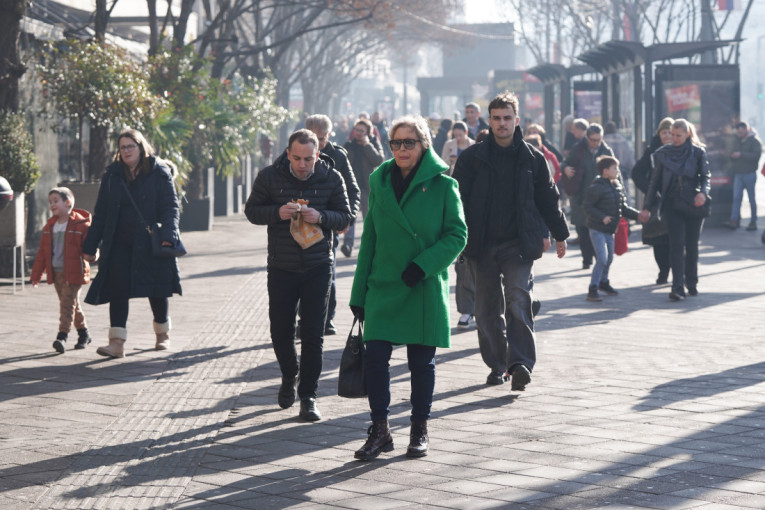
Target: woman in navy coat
x,y
127,268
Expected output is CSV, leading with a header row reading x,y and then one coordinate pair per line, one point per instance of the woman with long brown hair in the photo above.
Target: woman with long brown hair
x,y
136,188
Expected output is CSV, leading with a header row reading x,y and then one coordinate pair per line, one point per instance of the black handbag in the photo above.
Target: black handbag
x,y
684,201
157,250
352,383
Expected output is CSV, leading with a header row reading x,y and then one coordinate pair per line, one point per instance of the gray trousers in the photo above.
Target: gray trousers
x,y
503,315
464,290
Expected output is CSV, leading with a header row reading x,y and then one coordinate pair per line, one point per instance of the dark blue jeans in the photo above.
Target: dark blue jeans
x,y
332,304
422,367
285,289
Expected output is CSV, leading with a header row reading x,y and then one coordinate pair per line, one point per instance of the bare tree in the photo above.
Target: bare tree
x,y
11,68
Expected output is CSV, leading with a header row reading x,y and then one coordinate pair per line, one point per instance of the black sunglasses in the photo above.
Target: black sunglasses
x,y
409,144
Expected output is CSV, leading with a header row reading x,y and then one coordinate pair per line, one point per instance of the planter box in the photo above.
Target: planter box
x,y
12,230
197,215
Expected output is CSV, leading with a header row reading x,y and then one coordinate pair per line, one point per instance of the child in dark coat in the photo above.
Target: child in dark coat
x,y
604,205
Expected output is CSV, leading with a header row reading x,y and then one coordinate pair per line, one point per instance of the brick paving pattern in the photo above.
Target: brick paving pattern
x,y
635,402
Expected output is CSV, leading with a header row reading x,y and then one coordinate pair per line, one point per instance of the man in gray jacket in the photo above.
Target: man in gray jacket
x,y
746,156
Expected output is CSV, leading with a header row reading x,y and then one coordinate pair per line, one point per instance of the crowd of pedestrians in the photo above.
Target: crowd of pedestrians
x,y
483,195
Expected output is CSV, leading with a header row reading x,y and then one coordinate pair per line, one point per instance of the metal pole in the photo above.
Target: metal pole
x,y
708,57
404,107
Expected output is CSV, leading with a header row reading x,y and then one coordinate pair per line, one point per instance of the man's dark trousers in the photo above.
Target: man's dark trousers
x,y
285,289
509,341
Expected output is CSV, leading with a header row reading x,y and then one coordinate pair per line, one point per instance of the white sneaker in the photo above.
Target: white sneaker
x,y
464,321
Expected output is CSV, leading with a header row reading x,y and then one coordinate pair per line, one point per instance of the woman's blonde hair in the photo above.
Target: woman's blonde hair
x,y
417,124
690,129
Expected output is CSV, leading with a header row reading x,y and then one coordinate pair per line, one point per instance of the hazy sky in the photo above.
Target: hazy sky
x,y
483,11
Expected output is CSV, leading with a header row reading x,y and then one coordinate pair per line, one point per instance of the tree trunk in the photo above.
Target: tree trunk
x,y
102,18
99,152
11,68
179,31
153,27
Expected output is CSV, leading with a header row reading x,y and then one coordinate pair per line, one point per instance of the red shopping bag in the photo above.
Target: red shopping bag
x,y
622,237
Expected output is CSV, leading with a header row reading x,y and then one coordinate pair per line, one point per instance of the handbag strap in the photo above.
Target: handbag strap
x,y
132,201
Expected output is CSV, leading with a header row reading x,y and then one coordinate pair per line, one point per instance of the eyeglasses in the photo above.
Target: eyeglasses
x,y
127,148
408,143
594,140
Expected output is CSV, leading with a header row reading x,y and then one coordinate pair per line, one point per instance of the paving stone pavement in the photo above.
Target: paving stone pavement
x,y
636,402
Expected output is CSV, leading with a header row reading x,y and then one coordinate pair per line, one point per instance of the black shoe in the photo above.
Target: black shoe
x,y
346,249
308,409
379,440
330,329
83,338
692,290
60,342
763,238
732,224
521,377
605,286
418,440
751,227
592,294
287,392
586,265
663,279
496,378
674,296
535,306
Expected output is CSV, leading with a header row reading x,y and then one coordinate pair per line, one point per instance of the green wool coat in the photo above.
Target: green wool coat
x,y
428,228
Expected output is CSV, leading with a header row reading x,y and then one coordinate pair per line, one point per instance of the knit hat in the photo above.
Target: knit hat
x,y
666,123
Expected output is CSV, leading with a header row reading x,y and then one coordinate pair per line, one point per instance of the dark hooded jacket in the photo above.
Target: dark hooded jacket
x,y
341,164
686,163
155,196
325,191
535,197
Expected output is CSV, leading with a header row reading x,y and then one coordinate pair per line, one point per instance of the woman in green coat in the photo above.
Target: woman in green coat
x,y
415,229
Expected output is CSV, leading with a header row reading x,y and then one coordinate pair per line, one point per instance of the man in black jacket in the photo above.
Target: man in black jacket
x,y
321,125
578,173
510,202
297,274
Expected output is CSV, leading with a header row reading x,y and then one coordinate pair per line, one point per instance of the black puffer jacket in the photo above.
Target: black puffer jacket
x,y
325,191
535,201
606,198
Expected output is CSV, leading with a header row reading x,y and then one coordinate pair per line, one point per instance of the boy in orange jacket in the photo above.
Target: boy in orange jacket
x,y
60,256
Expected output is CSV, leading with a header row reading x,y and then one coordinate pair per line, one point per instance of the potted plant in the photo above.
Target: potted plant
x,y
18,164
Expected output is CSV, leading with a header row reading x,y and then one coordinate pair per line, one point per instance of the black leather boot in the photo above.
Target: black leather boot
x,y
418,440
379,440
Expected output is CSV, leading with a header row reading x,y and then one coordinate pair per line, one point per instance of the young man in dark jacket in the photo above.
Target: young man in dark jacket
x,y
510,202
297,274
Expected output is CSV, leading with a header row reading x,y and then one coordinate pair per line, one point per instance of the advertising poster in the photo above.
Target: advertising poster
x,y
588,105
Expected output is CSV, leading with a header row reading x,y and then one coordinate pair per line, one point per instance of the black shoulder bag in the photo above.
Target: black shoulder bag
x,y
157,250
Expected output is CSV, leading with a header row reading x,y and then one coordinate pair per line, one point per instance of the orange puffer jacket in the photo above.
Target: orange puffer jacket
x,y
76,268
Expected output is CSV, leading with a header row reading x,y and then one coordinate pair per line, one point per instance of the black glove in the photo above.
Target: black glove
x,y
412,274
358,312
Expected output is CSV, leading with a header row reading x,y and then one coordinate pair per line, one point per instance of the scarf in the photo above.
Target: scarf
x,y
677,159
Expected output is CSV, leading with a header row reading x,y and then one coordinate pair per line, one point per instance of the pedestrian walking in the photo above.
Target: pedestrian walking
x,y
510,204
678,167
746,158
136,188
654,232
60,256
298,273
458,143
604,204
414,231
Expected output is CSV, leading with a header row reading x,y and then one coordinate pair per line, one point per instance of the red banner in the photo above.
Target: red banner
x,y
683,98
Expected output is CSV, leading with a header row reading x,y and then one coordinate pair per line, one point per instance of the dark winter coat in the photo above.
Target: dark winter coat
x,y
426,227
694,171
535,201
655,231
605,198
149,276
751,150
324,190
340,159
76,269
583,162
363,160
